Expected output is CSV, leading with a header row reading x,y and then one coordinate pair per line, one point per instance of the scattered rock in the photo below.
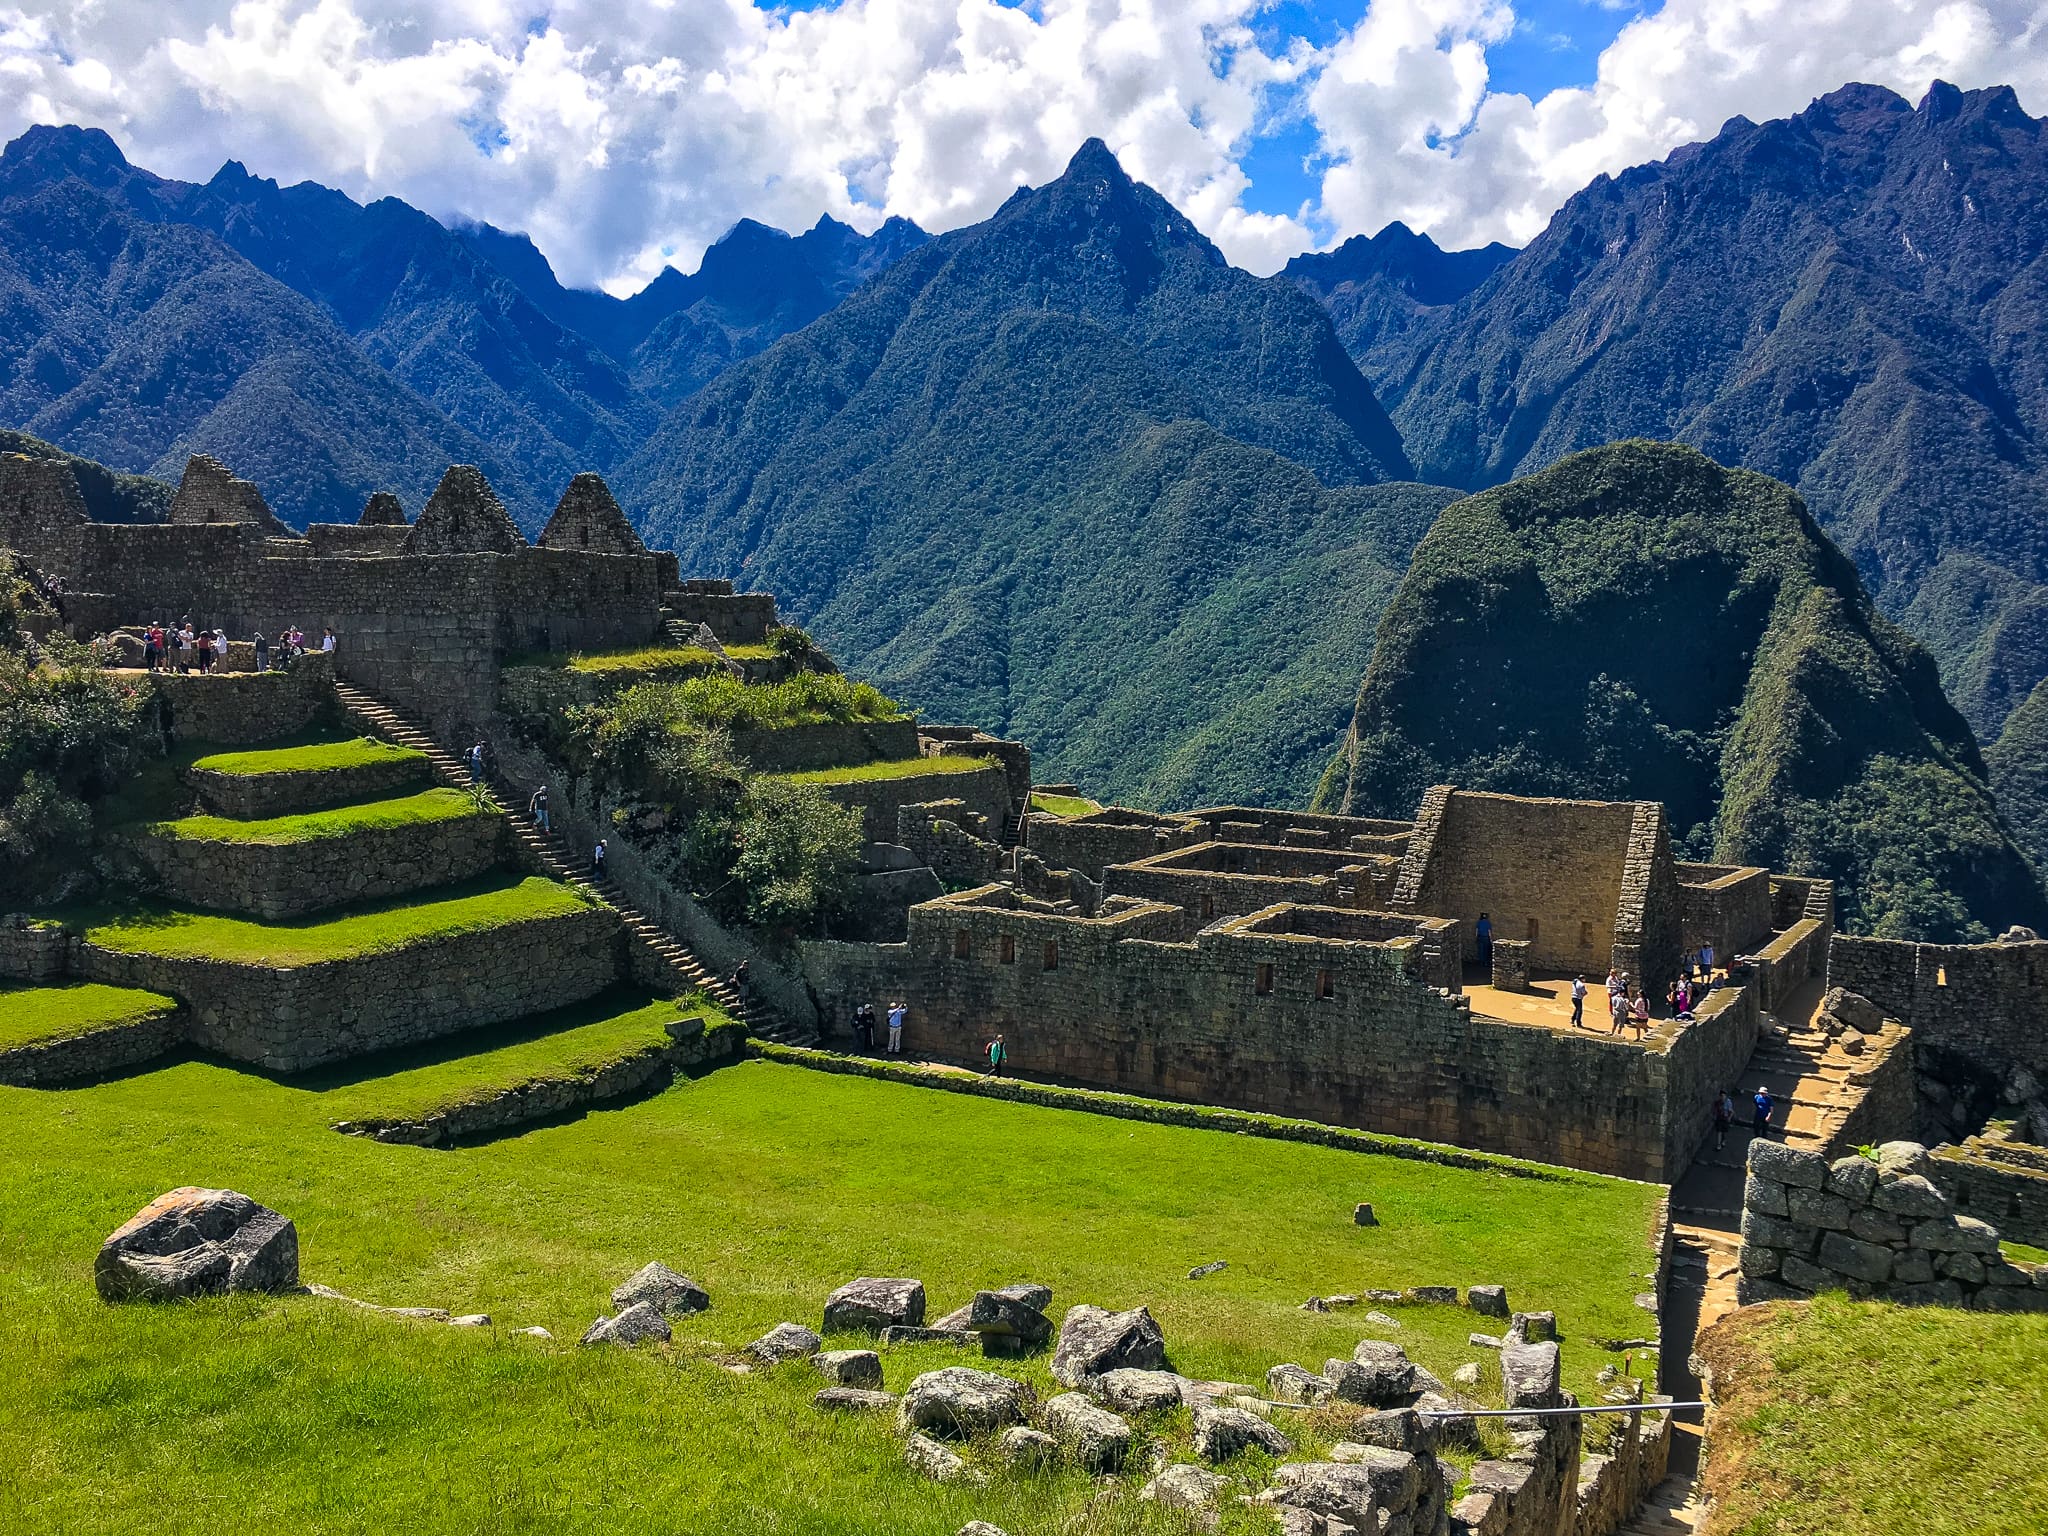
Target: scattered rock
x,y
1208,1269
636,1325
1382,1320
785,1341
980,1528
925,1455
1482,1341
853,1400
1438,1295
1396,1429
957,1402
1852,1010
991,1312
1129,1391
1185,1487
1852,1043
1337,1302
1363,1493
1035,1296
1097,1439
1386,1296
1026,1450
850,1367
1468,1375
1447,1426
1490,1299
1092,1341
869,1305
1292,1383
1361,1215
959,1337
1373,1385
1220,1433
535,1332
670,1294
471,1320
197,1242
1532,1327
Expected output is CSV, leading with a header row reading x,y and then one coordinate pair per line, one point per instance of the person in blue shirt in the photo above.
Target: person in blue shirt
x,y
1764,1105
1483,932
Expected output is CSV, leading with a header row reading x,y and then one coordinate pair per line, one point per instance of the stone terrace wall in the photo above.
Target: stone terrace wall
x,y
985,792
1700,1059
1724,905
1648,924
279,881
1877,1229
32,953
736,618
287,1020
1119,1006
242,708
97,1054
1113,835
1999,1180
259,796
1789,961
832,744
1983,1007
968,741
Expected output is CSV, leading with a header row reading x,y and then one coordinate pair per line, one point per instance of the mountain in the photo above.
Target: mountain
x,y
2018,764
1848,300
1376,287
1037,475
755,284
137,342
1638,622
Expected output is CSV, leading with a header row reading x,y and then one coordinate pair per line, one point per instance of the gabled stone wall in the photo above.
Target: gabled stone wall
x,y
1982,1007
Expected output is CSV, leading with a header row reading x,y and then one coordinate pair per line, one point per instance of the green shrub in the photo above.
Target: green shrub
x,y
796,852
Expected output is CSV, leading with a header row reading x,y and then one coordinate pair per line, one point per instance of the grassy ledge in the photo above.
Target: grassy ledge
x,y
651,660
179,935
317,758
901,768
422,810
567,1045
41,1015
1063,805
1862,1419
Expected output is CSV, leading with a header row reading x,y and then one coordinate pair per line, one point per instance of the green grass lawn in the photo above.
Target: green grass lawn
x,y
421,810
899,768
567,1044
1860,1419
770,1185
37,1015
1062,805
158,930
2022,1253
362,752
759,652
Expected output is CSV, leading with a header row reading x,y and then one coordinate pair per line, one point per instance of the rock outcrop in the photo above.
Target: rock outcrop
x,y
197,1242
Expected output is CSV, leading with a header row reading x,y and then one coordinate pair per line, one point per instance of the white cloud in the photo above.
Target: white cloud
x,y
626,133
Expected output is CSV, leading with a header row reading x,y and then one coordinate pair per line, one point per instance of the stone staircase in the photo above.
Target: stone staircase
x,y
1672,1509
667,955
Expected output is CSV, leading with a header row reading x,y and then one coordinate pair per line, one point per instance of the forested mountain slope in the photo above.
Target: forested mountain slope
x,y
1638,622
1036,475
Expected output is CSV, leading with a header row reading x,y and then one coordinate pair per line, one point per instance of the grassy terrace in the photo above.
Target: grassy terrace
x,y
566,1044
770,1185
901,768
422,810
652,660
363,752
158,930
1860,1419
1063,805
39,1015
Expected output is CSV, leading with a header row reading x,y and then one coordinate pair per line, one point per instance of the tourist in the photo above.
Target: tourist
x,y
1613,984
220,650
739,978
152,647
1764,1105
864,1028
537,808
1617,1010
1483,933
1707,962
1578,1001
262,651
1724,1117
896,1012
596,854
997,1055
474,758
327,642
1639,1013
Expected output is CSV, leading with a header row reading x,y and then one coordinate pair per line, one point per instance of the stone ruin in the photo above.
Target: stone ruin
x,y
382,510
209,493
464,516
588,518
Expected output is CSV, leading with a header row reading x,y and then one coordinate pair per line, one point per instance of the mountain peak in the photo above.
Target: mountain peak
x,y
51,150
1094,158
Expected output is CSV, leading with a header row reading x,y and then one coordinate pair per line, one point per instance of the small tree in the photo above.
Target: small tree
x,y
797,849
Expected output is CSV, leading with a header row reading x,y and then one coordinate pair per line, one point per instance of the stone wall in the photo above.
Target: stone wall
x,y
259,796
1212,880
1885,1108
736,618
1697,1061
1614,1482
1109,836
1726,906
1648,924
242,708
281,881
286,1019
1789,962
1875,1228
32,952
832,744
968,741
1534,1493
100,1053
983,792
1340,1030
2000,1180
1302,829
1973,1007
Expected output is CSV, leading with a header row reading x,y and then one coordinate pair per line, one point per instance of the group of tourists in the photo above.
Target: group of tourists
x,y
182,649
1629,1008
1762,1102
864,1028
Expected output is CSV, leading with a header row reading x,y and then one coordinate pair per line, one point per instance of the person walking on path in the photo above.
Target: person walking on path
x,y
1482,933
474,758
597,860
997,1055
1764,1105
1639,1013
1578,1001
739,978
1617,1011
896,1012
537,808
1724,1116
262,651
327,641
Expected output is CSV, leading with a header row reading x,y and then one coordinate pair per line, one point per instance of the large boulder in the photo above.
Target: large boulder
x,y
959,1401
636,1325
1380,1375
1130,1391
1220,1433
1363,1493
1097,1439
197,1242
785,1341
670,1294
992,1312
849,1367
1291,1383
870,1305
1093,1341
